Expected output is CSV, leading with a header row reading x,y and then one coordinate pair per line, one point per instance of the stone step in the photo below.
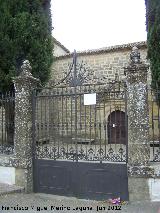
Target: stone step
x,y
9,189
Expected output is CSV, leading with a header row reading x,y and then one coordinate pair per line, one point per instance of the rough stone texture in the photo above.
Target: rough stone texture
x,y
138,189
8,189
138,112
138,115
141,171
20,178
138,154
138,128
12,161
156,167
103,63
24,84
59,49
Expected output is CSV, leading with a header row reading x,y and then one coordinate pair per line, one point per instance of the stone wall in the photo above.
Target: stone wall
x,y
101,63
58,51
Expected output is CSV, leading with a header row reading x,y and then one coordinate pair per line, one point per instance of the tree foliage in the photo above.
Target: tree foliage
x,y
153,39
25,33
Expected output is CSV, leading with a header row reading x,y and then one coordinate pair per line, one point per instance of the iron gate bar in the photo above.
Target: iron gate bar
x,y
67,118
101,126
126,122
82,93
75,93
80,125
154,121
7,122
34,130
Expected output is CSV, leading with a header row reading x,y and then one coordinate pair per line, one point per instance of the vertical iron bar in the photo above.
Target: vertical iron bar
x,y
120,127
5,103
54,117
126,122
62,117
41,118
90,119
158,125
100,136
104,123
2,121
85,126
71,115
115,122
75,94
153,122
80,115
95,122
109,121
58,123
66,106
34,154
45,119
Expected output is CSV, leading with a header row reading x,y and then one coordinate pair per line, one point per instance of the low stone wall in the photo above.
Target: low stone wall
x,y
144,183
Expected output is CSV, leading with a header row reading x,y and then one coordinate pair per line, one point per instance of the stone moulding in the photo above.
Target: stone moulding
x,y
12,161
141,171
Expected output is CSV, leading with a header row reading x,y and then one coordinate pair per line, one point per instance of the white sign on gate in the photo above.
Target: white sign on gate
x,y
90,99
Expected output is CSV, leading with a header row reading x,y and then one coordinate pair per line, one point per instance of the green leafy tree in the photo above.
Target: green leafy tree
x,y
25,33
153,39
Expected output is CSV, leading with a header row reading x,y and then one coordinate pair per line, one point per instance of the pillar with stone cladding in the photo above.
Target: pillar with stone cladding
x,y
137,106
138,127
24,85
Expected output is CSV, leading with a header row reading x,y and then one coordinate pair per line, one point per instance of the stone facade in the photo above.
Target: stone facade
x,y
102,63
59,49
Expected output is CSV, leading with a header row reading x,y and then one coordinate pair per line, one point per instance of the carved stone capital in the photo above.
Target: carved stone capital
x,y
140,171
136,71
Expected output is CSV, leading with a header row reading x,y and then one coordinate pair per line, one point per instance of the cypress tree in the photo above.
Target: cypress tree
x,y
153,39
25,33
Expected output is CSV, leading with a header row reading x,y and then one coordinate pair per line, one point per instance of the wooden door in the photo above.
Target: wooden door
x,y
117,128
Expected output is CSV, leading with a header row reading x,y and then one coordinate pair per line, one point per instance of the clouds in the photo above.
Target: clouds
x,y
88,24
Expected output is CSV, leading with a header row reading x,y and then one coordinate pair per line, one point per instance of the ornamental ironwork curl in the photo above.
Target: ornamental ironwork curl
x,y
90,154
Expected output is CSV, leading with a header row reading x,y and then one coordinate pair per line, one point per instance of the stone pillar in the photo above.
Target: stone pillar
x,y
24,85
138,115
138,127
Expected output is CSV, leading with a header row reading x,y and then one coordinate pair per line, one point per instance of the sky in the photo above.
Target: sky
x,y
93,24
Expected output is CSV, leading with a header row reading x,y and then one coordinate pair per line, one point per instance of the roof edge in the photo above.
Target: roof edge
x,y
61,45
106,49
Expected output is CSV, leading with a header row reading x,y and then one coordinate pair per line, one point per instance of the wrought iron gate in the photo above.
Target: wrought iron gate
x,y
75,150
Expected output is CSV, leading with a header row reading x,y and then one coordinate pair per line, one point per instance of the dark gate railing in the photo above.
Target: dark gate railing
x,y
6,123
69,126
154,123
